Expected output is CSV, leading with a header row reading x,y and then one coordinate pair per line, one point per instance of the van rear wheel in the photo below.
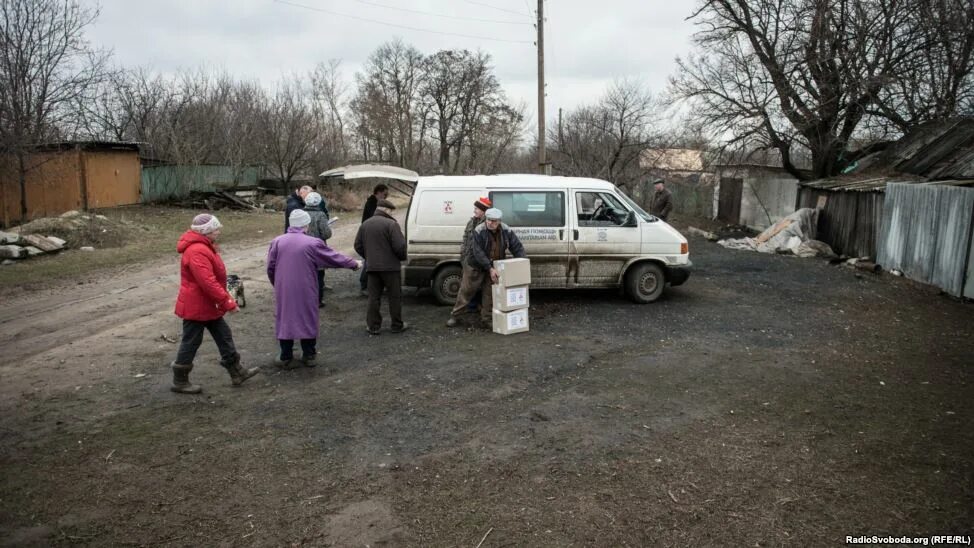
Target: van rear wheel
x,y
446,284
645,282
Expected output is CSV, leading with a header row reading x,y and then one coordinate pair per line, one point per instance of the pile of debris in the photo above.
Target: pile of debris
x,y
221,199
72,229
794,235
14,246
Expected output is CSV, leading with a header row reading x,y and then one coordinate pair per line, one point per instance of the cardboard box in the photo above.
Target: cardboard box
x,y
507,299
513,272
507,323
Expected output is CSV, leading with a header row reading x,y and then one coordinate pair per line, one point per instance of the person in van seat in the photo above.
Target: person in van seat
x,y
380,192
381,243
472,278
662,202
491,242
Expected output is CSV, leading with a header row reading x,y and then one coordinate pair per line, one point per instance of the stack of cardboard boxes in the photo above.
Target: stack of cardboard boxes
x,y
510,296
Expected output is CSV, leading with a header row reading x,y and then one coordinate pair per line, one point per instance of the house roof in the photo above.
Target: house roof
x,y
849,183
935,150
672,159
90,145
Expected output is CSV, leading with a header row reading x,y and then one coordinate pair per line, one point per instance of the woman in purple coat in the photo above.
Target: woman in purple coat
x,y
292,267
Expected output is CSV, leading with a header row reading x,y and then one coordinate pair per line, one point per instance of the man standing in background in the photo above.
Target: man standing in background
x,y
295,201
662,202
380,192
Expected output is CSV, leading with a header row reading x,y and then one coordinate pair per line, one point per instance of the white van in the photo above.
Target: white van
x,y
578,233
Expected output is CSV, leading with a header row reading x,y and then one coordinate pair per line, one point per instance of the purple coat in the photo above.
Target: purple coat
x,y
292,265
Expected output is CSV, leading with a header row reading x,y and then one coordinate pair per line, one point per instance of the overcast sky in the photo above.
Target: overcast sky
x,y
588,43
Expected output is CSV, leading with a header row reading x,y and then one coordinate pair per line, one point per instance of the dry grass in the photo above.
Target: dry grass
x,y
143,233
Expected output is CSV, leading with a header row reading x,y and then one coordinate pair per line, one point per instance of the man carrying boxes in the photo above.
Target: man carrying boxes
x,y
490,242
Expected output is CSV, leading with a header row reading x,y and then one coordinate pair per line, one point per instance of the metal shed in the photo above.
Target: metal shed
x,y
927,234
69,175
852,212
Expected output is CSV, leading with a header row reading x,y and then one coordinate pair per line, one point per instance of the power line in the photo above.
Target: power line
x,y
499,9
322,10
431,14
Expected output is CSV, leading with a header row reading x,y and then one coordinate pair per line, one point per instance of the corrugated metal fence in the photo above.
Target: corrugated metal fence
x,y
926,233
162,183
850,221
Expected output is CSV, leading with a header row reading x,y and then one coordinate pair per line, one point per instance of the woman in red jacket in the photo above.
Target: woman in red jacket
x,y
202,302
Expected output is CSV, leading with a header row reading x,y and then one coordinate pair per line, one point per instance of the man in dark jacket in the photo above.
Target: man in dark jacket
x,y
491,241
471,278
380,192
662,202
295,201
381,243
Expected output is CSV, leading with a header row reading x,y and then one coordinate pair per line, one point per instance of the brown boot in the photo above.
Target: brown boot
x,y
180,379
237,373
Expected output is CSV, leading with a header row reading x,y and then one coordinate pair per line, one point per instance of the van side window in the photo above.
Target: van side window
x,y
599,209
534,208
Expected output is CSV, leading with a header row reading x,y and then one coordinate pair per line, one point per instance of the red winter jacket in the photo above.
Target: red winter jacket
x,y
202,280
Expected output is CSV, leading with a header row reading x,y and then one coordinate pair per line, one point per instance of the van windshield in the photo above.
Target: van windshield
x,y
639,211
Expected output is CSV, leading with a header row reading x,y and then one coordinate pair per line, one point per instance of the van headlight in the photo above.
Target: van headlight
x,y
684,248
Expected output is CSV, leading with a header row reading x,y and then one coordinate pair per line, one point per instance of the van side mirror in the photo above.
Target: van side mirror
x,y
630,219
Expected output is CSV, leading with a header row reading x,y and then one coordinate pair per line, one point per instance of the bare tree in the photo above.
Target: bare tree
x,y
937,82
289,131
605,140
806,74
330,104
463,106
45,65
386,103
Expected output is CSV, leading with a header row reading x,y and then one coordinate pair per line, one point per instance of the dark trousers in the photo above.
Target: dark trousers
x,y
377,282
321,286
307,348
363,280
193,338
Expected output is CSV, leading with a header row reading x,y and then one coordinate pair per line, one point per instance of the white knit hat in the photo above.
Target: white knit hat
x,y
494,214
205,223
299,218
312,199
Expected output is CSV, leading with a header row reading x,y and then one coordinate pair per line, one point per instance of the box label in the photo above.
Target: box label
x,y
517,297
517,320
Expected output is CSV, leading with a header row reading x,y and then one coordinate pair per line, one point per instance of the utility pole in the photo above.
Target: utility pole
x,y
561,136
542,157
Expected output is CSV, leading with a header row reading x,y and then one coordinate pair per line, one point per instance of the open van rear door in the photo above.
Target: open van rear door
x,y
406,177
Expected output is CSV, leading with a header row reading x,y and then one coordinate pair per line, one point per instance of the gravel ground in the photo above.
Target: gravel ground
x,y
768,401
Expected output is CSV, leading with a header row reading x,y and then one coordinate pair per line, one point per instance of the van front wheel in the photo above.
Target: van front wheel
x,y
446,284
645,282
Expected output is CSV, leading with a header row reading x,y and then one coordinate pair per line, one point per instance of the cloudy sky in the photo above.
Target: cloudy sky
x,y
588,43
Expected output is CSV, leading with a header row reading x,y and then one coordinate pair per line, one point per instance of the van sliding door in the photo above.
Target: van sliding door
x,y
540,220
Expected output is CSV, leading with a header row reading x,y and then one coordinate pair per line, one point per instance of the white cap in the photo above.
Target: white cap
x,y
312,199
299,218
494,214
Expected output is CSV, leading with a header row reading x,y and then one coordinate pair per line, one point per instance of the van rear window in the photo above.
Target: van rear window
x,y
535,208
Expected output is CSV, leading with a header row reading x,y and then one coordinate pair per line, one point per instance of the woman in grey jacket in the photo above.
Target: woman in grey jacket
x,y
319,228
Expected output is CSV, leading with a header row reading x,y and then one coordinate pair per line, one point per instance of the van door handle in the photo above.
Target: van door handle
x,y
575,231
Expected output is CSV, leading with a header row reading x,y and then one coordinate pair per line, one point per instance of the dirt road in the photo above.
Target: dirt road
x,y
768,401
